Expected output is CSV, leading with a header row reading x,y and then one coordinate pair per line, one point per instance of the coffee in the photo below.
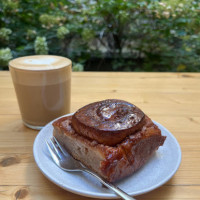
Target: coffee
x,y
43,88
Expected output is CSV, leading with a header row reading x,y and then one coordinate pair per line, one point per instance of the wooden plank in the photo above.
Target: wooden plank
x,y
52,192
147,96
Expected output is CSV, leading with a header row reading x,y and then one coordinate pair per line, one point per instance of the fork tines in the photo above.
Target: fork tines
x,y
53,151
59,145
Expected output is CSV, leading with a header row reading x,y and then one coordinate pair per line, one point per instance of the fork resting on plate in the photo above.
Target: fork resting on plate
x,y
67,163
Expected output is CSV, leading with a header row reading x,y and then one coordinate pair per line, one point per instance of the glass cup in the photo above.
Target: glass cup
x,y
43,88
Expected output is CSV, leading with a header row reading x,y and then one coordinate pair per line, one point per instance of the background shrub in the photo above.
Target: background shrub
x,y
106,35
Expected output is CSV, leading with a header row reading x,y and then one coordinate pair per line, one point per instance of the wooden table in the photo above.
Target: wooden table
x,y
172,99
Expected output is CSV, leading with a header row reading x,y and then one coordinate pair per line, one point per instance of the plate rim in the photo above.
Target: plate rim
x,y
98,194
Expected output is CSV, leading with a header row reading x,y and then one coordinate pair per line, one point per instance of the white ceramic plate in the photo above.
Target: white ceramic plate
x,y
157,171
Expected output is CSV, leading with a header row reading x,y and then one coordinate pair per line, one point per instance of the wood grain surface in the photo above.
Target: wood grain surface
x,y
172,99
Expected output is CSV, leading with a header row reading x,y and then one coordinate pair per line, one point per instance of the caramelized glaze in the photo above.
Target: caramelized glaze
x,y
108,121
110,115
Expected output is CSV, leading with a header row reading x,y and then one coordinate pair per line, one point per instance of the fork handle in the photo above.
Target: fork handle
x,y
118,191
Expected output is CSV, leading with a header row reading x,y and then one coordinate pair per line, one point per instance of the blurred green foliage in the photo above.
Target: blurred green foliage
x,y
41,46
106,35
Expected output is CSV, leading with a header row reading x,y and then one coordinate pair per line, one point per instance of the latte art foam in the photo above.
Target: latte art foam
x,y
37,62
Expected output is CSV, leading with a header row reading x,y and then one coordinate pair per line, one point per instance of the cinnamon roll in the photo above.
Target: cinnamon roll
x,y
109,121
112,151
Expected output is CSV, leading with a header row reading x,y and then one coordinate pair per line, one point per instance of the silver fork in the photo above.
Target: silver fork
x,y
67,163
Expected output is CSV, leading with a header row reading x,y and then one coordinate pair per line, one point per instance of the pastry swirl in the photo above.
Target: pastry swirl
x,y
108,121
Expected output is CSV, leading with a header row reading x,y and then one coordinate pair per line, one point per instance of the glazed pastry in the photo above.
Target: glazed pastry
x,y
86,135
109,121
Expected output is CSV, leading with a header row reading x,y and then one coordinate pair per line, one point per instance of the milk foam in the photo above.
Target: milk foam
x,y
40,61
43,62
